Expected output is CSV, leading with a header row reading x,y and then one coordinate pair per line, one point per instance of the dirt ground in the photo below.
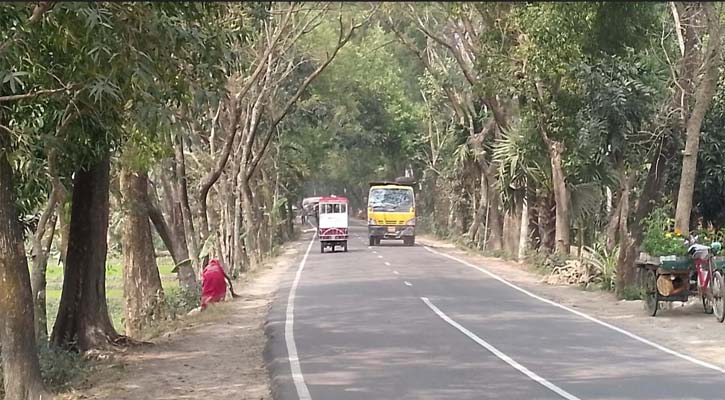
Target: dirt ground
x,y
684,328
217,354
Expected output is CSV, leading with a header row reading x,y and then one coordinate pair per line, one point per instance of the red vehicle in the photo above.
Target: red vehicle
x,y
332,226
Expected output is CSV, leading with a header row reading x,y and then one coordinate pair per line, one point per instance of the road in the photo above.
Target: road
x,y
394,322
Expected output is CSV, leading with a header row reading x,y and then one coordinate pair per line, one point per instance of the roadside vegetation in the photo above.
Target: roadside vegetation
x,y
137,140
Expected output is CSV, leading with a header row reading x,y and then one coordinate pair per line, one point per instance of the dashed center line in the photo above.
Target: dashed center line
x,y
407,283
379,256
396,272
387,263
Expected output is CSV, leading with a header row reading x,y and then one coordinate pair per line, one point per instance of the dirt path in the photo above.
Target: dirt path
x,y
216,355
684,328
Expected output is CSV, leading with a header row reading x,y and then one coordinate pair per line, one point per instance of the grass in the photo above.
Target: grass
x,y
114,288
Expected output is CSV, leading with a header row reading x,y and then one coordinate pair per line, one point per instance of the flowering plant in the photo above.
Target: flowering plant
x,y
659,237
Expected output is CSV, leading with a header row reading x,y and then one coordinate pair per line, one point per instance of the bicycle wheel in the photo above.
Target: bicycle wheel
x,y
718,302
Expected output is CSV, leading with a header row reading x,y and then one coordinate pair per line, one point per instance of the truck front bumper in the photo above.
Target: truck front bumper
x,y
391,231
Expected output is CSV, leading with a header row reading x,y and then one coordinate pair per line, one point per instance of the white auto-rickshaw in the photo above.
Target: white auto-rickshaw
x,y
333,224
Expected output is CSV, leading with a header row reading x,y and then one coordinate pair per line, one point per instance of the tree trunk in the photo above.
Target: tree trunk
x,y
547,222
21,368
703,97
250,221
495,221
64,228
142,289
175,227
83,321
524,227
613,224
183,193
42,241
561,197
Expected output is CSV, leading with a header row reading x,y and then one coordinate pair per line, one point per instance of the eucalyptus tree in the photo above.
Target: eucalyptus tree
x,y
21,369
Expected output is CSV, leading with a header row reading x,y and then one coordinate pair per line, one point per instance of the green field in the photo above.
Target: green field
x,y
114,288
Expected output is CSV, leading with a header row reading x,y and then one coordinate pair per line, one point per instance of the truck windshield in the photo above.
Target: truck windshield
x,y
391,200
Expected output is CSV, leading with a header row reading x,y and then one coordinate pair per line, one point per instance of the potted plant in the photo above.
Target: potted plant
x,y
663,242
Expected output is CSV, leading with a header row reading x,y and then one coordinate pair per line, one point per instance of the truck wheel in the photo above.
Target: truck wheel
x,y
372,241
322,247
344,247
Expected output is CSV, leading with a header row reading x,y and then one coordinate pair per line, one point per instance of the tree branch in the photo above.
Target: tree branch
x,y
38,11
342,40
43,92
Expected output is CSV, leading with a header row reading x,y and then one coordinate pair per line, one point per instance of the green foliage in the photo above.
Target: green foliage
x,y
60,369
605,263
659,238
180,301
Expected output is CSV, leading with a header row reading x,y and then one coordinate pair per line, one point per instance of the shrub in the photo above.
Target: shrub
x,y
604,262
659,239
180,301
59,368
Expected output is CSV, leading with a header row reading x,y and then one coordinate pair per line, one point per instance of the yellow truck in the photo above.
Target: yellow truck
x,y
391,212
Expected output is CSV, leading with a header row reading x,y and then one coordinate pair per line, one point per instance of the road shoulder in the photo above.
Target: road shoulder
x,y
212,355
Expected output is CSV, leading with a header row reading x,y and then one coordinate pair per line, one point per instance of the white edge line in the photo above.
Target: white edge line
x,y
508,360
583,315
294,362
407,283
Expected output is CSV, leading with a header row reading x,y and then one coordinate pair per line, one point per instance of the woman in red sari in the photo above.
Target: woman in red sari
x,y
214,284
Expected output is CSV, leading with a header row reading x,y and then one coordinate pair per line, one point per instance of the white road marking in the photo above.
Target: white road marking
x,y
396,272
294,362
387,263
508,360
407,283
583,315
375,252
380,256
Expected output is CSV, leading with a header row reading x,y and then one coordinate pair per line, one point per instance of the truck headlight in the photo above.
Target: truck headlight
x,y
371,221
410,222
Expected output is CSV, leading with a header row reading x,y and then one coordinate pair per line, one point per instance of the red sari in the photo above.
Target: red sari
x,y
213,285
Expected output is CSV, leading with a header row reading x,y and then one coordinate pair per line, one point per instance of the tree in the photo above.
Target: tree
x,y
21,369
702,97
83,320
142,289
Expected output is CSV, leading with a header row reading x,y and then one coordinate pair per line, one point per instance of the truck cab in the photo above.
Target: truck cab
x,y
391,213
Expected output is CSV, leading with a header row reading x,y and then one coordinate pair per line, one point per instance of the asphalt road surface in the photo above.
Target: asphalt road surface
x,y
395,322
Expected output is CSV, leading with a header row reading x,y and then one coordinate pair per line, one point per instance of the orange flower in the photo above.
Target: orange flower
x,y
678,232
